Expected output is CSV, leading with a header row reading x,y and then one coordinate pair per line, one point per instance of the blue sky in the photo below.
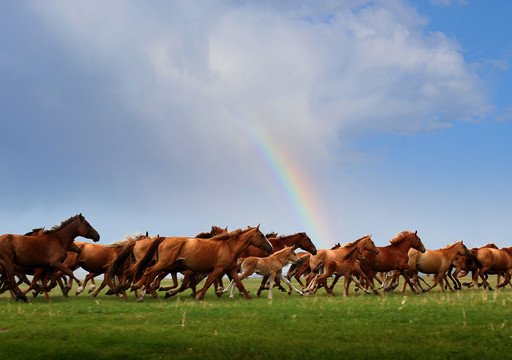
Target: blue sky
x,y
397,114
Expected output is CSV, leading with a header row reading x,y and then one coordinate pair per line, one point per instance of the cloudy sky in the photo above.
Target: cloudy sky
x,y
337,118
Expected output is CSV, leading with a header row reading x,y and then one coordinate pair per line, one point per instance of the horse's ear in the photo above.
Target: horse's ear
x,y
370,235
416,232
258,227
147,234
81,216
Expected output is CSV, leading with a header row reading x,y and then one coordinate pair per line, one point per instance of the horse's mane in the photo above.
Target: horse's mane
x,y
282,237
135,237
272,235
349,254
400,237
285,249
491,246
118,244
336,246
36,231
62,224
354,243
229,235
216,230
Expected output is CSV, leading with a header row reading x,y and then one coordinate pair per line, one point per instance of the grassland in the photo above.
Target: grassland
x,y
472,323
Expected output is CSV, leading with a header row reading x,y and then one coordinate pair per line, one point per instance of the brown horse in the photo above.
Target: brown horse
x,y
393,256
213,256
96,259
302,267
492,261
297,241
347,267
435,262
322,256
46,250
465,264
269,267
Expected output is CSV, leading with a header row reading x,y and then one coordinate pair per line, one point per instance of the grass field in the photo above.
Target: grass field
x,y
468,324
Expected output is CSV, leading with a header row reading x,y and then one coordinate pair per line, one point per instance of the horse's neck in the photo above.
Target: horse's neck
x,y
452,252
404,245
277,244
238,244
67,234
283,258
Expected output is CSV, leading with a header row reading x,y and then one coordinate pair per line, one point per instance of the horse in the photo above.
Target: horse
x,y
302,267
364,243
214,256
96,259
270,267
393,256
435,262
347,267
297,241
45,250
494,260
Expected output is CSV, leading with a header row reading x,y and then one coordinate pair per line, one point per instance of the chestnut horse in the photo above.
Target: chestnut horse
x,y
492,261
393,257
297,241
214,256
270,267
322,256
435,262
347,267
96,259
46,250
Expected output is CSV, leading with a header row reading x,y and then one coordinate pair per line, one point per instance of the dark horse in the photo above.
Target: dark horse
x,y
45,250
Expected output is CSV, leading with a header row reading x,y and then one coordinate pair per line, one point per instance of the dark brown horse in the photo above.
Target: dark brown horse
x,y
393,257
213,256
47,250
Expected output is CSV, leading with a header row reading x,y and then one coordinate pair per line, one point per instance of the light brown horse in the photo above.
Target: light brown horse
x,y
347,267
393,257
435,262
213,256
324,255
47,250
269,267
465,264
492,261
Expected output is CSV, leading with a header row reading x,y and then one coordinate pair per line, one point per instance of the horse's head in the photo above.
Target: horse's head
x,y
463,250
306,243
370,245
292,257
86,230
259,240
416,242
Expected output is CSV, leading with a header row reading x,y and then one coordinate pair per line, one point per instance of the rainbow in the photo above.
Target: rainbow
x,y
292,183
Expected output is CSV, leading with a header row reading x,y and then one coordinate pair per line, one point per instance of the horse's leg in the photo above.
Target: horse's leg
x,y
262,285
288,282
408,279
13,287
93,285
271,285
336,278
505,282
445,278
482,272
212,276
102,285
361,273
81,288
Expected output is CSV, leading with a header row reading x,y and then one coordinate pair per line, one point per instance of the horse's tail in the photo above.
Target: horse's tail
x,y
118,262
143,263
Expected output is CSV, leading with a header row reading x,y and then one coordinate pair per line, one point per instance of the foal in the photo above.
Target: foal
x,y
270,266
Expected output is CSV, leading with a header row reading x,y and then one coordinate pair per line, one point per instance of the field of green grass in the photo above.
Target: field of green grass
x,y
467,324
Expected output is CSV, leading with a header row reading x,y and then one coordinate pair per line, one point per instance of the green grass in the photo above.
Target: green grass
x,y
472,323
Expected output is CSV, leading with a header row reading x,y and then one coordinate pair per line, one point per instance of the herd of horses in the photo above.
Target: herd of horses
x,y
140,262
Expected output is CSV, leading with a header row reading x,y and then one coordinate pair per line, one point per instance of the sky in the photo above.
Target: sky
x,y
334,118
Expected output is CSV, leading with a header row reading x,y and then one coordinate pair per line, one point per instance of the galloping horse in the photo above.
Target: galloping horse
x,y
393,256
213,256
96,259
46,250
322,256
494,260
270,267
435,262
297,241
348,266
